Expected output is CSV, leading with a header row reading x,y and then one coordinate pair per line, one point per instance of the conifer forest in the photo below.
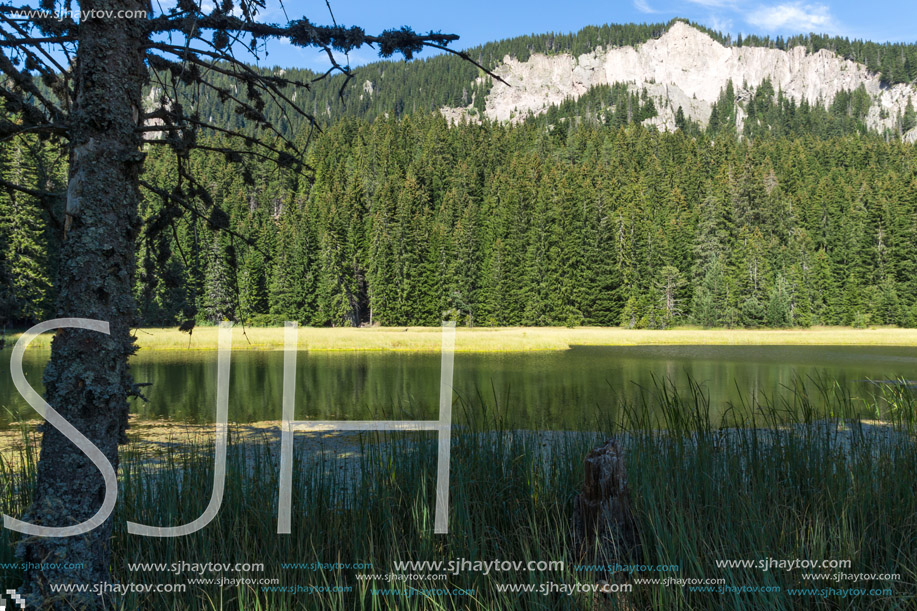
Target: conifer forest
x,y
579,216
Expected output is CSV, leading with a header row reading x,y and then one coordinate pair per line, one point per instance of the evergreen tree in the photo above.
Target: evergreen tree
x,y
25,283
219,285
909,120
669,285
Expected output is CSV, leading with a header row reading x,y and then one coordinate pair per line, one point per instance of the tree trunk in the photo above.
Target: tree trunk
x,y
603,522
87,379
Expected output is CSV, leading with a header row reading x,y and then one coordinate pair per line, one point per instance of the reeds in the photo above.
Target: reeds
x,y
781,479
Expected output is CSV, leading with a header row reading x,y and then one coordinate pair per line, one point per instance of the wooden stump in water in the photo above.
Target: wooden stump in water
x,y
604,528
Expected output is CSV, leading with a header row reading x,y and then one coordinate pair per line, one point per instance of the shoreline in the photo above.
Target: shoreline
x,y
503,339
151,439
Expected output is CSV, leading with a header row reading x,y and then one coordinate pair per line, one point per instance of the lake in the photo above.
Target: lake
x,y
573,389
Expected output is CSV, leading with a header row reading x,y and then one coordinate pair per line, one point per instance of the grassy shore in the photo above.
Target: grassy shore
x,y
508,339
702,492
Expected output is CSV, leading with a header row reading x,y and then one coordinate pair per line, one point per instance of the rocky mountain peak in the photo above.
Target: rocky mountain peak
x,y
686,68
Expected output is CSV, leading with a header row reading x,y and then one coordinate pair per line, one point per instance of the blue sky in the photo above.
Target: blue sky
x,y
479,21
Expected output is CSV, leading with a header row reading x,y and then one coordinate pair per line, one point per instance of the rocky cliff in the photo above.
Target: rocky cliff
x,y
686,68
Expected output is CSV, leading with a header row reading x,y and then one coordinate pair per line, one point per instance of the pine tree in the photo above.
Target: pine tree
x,y
25,285
779,305
886,308
909,120
253,295
461,275
219,285
669,284
292,284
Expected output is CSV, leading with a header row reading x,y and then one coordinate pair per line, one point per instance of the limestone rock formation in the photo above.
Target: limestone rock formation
x,y
686,68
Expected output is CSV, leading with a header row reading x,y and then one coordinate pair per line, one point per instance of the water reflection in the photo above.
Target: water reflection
x,y
548,390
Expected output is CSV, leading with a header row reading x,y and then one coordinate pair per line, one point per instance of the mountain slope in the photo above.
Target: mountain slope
x,y
686,68
679,64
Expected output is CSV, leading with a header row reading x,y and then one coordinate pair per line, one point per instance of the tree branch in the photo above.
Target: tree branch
x,y
45,198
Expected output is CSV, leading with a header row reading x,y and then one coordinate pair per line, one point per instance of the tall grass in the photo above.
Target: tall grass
x,y
787,483
780,481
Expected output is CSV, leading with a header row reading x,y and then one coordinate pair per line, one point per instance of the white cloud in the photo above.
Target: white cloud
x,y
644,7
721,24
794,16
716,3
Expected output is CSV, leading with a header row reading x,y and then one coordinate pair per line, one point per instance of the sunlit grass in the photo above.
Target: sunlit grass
x,y
507,339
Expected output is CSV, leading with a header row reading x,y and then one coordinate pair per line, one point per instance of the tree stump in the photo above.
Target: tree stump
x,y
604,528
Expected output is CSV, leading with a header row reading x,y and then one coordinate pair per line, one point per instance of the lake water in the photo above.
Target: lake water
x,y
574,389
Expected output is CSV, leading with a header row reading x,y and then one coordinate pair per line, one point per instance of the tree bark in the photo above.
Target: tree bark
x,y
87,379
604,527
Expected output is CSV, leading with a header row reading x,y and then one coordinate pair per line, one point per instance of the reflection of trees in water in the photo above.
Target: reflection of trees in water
x,y
578,388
